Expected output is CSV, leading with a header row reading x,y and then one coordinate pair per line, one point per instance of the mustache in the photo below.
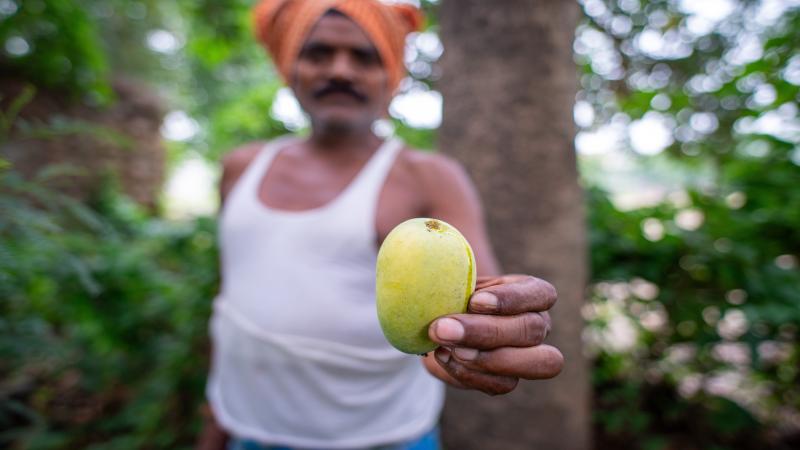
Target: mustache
x,y
339,88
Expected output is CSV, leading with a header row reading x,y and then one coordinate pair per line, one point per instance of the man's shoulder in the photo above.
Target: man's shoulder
x,y
240,157
235,162
441,180
430,165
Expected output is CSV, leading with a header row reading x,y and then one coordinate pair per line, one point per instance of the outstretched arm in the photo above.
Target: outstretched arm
x,y
500,339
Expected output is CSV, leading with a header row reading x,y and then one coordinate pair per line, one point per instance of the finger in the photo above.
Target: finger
x,y
516,294
547,322
473,379
532,363
487,332
484,282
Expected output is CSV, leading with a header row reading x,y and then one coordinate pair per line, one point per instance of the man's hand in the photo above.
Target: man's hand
x,y
500,340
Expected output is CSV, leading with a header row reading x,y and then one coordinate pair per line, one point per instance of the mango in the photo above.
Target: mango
x,y
425,270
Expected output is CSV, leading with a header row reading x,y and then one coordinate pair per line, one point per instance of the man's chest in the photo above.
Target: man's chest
x,y
290,187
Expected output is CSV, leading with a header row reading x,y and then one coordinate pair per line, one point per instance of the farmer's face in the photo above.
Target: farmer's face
x,y
339,78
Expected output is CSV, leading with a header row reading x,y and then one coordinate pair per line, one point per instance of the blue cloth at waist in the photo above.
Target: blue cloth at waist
x,y
428,441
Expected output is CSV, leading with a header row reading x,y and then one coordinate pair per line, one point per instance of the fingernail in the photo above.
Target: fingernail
x,y
442,354
449,330
466,354
483,302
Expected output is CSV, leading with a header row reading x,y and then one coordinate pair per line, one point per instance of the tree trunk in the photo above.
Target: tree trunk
x,y
509,84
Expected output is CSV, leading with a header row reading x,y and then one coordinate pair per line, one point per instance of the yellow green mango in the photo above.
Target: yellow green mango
x,y
425,270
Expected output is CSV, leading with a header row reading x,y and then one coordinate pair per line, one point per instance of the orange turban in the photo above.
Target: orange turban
x,y
282,26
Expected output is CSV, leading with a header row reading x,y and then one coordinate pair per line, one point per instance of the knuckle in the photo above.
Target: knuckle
x,y
505,300
456,370
513,295
462,375
504,305
492,334
467,376
481,332
489,384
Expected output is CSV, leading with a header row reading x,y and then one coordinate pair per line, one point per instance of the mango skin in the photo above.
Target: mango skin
x,y
425,270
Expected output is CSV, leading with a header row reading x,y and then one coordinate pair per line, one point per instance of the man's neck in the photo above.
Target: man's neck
x,y
364,140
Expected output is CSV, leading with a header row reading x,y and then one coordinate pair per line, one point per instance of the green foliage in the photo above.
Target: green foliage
x,y
245,118
55,44
419,138
10,115
694,298
103,327
684,327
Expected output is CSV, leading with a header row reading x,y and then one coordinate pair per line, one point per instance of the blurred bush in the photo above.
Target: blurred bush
x,y
103,314
693,313
54,44
694,334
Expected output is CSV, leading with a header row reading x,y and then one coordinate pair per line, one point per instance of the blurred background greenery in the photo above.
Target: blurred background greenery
x,y
689,149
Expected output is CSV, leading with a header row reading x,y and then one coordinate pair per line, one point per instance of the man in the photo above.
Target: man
x,y
299,359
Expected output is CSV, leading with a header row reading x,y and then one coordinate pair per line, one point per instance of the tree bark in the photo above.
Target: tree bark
x,y
509,83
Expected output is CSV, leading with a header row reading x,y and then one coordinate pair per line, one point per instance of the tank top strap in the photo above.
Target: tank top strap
x,y
362,191
368,183
258,167
382,162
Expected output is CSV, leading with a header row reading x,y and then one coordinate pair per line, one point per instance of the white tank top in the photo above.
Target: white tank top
x,y
299,357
